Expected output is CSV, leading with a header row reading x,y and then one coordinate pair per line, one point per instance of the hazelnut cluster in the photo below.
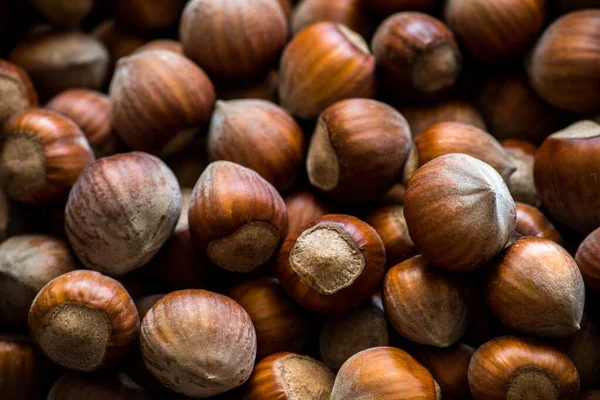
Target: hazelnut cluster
x,y
300,199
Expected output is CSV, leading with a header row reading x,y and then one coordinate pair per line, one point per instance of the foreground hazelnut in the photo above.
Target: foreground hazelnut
x,y
535,287
459,212
21,368
288,376
258,135
425,304
416,56
16,91
303,208
384,372
198,343
390,224
233,40
583,348
521,183
73,386
148,15
358,150
588,259
322,64
513,368
121,210
66,13
83,320
331,265
563,66
347,12
42,154
164,116
532,222
237,216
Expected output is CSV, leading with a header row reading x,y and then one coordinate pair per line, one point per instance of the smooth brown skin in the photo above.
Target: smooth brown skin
x,y
20,369
233,40
27,264
280,324
583,348
498,361
425,304
303,208
149,15
512,109
159,99
348,12
119,42
302,378
404,46
422,116
162,44
564,67
449,368
265,89
198,343
388,7
321,65
494,31
258,135
390,224
588,260
565,172
523,146
18,92
92,112
64,13
92,290
532,222
369,142
72,386
521,182
536,288
370,246
60,145
384,373
228,197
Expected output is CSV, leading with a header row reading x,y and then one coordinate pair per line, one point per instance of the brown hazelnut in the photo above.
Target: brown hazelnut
x,y
332,265
161,44
583,348
16,91
121,210
390,225
83,320
384,373
563,66
459,212
494,31
521,182
198,343
388,7
73,386
42,154
118,41
149,15
524,146
280,324
532,222
535,288
424,304
264,89
66,13
516,368
60,61
258,135
588,260
394,196
566,171
322,64
358,150
233,40
347,12
416,55
21,369
160,99
303,208
92,112
236,216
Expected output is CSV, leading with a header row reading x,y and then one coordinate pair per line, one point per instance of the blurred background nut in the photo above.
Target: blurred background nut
x,y
347,12
16,91
390,224
521,182
149,15
588,259
66,13
303,208
388,7
21,368
72,386
532,222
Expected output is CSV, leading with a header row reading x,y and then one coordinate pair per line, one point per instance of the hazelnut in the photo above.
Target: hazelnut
x,y
498,30
162,44
535,288
583,348
425,304
73,386
565,174
347,12
42,154
524,146
384,372
390,224
322,64
83,320
303,208
66,13
16,91
588,259
521,183
60,61
237,216
563,66
258,135
121,210
233,40
532,222
517,368
21,368
280,324
394,196
264,89
92,112
455,137
164,116
198,343
422,116
459,212
332,265
416,55
28,263
149,15
358,150
118,41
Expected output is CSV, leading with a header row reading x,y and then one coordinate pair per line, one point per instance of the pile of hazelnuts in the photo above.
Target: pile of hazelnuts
x,y
300,200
